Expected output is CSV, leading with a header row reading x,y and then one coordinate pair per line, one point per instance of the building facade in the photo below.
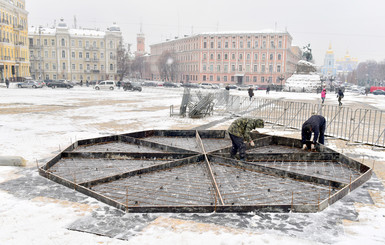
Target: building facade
x,y
14,62
346,64
257,58
74,54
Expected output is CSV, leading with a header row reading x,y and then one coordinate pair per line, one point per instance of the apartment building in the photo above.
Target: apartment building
x,y
14,61
258,57
61,52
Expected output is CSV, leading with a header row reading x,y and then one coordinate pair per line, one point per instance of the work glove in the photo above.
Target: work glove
x,y
252,143
312,147
304,147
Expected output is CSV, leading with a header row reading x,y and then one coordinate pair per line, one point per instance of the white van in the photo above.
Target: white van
x,y
109,84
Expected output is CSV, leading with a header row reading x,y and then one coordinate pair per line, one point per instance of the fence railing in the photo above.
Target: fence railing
x,y
365,126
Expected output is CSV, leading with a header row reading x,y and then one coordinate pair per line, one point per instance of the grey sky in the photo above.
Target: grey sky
x,y
356,26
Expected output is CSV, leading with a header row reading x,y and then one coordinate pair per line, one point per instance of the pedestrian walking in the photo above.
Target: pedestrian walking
x,y
268,90
7,82
323,95
315,124
239,132
251,93
81,83
119,83
87,83
340,95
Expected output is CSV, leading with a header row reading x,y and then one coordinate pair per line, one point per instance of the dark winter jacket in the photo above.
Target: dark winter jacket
x,y
243,126
251,92
312,125
340,94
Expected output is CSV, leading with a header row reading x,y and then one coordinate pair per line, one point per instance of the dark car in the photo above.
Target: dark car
x,y
60,84
132,86
379,92
171,85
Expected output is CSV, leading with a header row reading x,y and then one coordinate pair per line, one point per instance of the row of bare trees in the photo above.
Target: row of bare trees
x,y
368,73
129,65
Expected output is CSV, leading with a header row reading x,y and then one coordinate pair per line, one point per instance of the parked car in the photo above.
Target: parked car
x,y
245,87
104,85
171,85
132,86
191,85
60,84
232,86
150,84
206,85
379,92
30,84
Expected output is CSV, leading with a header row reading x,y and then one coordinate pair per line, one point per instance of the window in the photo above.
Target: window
x,y
101,44
233,56
204,67
211,56
263,68
111,55
255,79
54,66
102,55
212,45
248,44
234,45
247,79
63,54
226,56
73,55
219,44
247,68
241,44
204,77
239,67
278,68
87,55
80,43
80,55
102,67
211,68
279,56
88,67
211,78
263,56
271,56
248,56
232,67
240,56
64,65
255,68
204,45
218,68
80,66
53,42
225,67
262,79
219,57
279,44
46,54
45,42
264,44
46,66
63,42
270,68
225,78
87,44
72,43
218,78
73,67
272,45
226,44
95,67
256,44
232,78
111,46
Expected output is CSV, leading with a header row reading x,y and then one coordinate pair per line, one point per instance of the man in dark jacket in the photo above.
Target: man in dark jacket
x,y
251,93
340,95
239,132
315,124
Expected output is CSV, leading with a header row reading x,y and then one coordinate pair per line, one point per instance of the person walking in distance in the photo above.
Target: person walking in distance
x,y
239,132
340,95
251,93
323,95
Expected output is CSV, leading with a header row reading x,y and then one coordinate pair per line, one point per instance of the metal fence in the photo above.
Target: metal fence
x,y
365,126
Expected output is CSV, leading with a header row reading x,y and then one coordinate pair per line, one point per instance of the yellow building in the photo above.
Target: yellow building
x,y
14,62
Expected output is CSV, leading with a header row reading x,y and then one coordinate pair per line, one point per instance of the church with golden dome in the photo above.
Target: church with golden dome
x,y
333,67
329,68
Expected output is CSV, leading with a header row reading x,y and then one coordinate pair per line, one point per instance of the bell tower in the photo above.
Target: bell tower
x,y
140,45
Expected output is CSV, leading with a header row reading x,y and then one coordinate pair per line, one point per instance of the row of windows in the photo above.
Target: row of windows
x,y
73,55
11,19
73,67
244,44
240,68
9,37
240,56
255,79
63,43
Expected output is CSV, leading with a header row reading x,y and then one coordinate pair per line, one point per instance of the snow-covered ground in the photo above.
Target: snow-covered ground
x,y
36,123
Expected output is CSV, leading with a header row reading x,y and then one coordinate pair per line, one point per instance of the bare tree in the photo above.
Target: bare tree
x,y
168,66
123,62
138,66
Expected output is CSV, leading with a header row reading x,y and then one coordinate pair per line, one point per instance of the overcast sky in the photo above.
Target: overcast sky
x,y
357,26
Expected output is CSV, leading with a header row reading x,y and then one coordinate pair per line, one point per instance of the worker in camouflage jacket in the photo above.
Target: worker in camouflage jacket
x,y
239,132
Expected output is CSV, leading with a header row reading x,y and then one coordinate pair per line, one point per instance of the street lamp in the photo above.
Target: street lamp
x,y
281,78
332,79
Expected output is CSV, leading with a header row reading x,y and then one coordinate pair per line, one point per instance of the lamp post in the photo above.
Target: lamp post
x,y
281,78
331,79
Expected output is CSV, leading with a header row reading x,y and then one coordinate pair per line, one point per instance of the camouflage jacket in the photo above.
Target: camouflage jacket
x,y
243,126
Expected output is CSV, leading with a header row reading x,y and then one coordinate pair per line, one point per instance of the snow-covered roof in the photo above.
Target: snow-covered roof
x,y
72,32
266,31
